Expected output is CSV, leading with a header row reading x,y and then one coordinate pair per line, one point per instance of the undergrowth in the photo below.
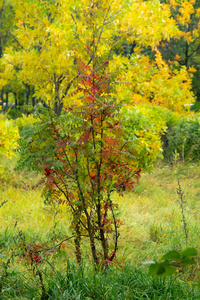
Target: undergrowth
x,y
80,283
151,226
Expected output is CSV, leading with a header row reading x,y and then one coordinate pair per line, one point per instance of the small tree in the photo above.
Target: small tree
x,y
86,157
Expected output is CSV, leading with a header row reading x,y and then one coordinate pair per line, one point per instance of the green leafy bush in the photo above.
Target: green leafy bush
x,y
160,116
144,129
8,141
14,113
8,136
25,122
184,140
171,262
148,127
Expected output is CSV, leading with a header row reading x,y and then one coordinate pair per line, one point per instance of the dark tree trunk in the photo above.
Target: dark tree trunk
x,y
28,91
7,93
58,101
15,96
1,97
58,108
186,55
33,101
1,48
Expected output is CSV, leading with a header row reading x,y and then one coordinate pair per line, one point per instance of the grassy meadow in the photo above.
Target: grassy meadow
x,y
151,226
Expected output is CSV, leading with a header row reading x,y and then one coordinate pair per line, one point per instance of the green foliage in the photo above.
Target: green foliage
x,y
144,134
195,106
128,283
160,116
148,126
8,136
143,125
14,113
184,139
25,121
172,261
10,131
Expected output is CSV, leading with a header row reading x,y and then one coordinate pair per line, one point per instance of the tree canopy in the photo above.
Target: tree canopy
x,y
54,41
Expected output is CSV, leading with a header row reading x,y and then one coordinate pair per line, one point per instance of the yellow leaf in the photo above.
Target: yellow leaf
x,y
192,70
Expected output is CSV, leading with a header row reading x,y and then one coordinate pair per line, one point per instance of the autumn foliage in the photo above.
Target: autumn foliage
x,y
68,52
51,41
86,156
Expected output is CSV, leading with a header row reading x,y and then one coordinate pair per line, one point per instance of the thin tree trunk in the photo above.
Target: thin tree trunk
x,y
1,97
186,55
33,101
28,91
15,96
77,241
1,48
102,234
7,100
58,101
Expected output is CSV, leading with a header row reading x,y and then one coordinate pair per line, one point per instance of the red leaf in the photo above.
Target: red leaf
x,y
93,177
94,89
87,47
48,172
37,258
85,137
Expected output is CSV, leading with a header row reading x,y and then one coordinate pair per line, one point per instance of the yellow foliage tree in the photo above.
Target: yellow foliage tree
x,y
58,39
184,48
8,137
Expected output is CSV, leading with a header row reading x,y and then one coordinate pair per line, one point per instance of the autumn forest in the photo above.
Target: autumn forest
x,y
99,149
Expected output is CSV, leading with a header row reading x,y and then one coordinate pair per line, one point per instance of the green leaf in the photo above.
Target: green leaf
x,y
153,270
169,271
2,256
161,270
189,252
188,261
172,255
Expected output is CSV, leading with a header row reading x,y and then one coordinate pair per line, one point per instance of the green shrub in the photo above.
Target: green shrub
x,y
8,142
25,122
195,106
14,113
144,133
184,140
160,116
8,136
148,127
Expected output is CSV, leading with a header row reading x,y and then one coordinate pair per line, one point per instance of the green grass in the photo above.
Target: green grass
x,y
152,215
113,284
151,226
